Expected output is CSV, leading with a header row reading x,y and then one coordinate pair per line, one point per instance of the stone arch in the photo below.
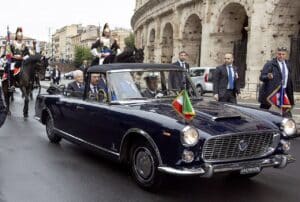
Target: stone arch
x,y
232,36
151,46
191,39
167,43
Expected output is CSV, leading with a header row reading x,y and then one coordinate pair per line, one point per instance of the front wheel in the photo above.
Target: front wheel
x,y
143,165
52,136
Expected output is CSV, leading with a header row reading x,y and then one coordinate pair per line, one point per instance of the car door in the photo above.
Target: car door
x,y
94,123
66,115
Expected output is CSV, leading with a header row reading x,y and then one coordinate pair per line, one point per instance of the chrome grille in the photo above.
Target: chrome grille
x,y
231,147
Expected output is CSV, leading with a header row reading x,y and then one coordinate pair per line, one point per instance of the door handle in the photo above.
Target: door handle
x,y
79,107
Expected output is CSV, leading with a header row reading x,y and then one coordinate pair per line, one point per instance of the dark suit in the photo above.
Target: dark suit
x,y
269,85
220,82
149,94
176,79
74,89
3,111
100,86
56,79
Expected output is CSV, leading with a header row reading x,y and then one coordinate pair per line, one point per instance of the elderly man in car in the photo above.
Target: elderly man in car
x,y
76,88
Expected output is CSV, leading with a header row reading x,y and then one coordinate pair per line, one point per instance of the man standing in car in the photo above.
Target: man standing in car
x,y
226,81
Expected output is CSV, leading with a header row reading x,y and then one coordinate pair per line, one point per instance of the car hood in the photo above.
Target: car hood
x,y
213,117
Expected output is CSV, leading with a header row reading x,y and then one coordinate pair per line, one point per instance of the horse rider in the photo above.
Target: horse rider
x,y
20,52
102,47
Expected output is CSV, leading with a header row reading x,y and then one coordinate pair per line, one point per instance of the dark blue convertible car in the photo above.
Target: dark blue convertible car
x,y
130,118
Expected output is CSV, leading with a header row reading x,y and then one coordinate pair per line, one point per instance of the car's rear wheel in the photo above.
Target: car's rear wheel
x,y
52,136
143,165
200,89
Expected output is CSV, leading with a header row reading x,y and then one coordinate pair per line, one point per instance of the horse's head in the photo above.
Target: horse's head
x,y
38,64
138,55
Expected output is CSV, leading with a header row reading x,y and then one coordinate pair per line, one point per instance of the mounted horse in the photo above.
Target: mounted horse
x,y
130,55
31,68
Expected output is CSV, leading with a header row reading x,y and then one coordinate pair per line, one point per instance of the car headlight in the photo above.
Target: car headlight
x,y
289,127
189,136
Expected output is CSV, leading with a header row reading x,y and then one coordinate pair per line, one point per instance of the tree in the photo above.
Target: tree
x,y
82,53
129,41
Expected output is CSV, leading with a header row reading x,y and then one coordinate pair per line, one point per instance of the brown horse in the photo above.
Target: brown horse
x,y
25,81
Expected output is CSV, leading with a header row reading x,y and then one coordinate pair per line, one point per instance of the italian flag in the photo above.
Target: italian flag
x,y
183,106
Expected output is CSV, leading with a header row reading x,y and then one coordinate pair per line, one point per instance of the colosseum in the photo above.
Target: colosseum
x,y
206,29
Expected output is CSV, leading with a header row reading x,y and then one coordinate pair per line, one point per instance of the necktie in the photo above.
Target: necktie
x,y
183,65
230,79
95,89
283,73
79,86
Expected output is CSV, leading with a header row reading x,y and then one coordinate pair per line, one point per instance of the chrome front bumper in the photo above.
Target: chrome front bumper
x,y
208,169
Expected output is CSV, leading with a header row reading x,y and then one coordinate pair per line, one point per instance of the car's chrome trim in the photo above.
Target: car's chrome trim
x,y
208,169
147,136
271,149
184,172
88,143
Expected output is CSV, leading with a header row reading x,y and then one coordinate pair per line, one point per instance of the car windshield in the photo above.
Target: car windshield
x,y
143,85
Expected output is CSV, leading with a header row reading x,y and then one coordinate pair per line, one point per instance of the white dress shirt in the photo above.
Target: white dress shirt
x,y
282,64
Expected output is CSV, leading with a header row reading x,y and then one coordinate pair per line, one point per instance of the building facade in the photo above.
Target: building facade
x,y
206,29
65,40
62,42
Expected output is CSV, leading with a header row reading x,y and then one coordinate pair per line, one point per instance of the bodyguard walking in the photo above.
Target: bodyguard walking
x,y
176,79
277,77
56,75
226,81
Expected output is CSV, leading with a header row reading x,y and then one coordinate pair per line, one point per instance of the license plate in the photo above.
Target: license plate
x,y
250,170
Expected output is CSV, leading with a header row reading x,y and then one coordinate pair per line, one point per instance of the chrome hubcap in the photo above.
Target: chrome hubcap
x,y
143,163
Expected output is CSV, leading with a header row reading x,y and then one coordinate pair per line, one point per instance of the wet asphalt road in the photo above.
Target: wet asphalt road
x,y
33,170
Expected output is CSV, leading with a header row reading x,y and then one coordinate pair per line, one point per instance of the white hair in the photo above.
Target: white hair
x,y
77,73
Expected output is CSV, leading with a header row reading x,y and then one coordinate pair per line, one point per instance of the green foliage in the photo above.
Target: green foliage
x,y
82,53
129,41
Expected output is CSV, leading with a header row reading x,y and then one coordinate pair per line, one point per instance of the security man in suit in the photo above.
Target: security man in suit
x,y
277,72
177,79
3,111
76,88
226,81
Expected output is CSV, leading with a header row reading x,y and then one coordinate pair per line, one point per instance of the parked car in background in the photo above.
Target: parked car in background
x,y
131,119
69,75
202,77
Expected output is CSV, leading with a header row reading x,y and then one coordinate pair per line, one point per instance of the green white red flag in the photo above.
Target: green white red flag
x,y
183,106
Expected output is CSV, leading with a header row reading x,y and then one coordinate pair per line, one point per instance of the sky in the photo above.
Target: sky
x,y
36,17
